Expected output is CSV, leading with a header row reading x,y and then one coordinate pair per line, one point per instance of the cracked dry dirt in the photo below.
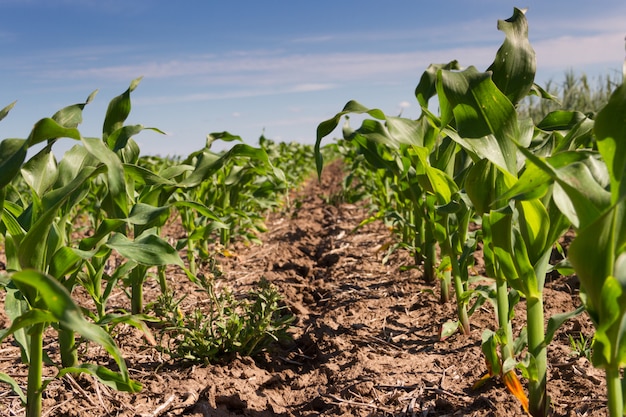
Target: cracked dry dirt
x,y
365,342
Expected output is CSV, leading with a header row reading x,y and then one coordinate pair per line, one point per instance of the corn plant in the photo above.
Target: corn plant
x,y
130,207
38,291
598,250
49,303
480,146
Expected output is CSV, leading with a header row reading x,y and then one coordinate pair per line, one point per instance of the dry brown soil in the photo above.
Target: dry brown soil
x,y
365,342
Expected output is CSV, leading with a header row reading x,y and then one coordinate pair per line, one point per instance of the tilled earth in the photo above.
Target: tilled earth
x,y
365,342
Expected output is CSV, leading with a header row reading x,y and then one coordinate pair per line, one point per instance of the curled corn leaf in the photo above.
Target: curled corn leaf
x,y
515,387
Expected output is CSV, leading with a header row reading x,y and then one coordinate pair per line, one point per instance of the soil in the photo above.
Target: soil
x,y
365,342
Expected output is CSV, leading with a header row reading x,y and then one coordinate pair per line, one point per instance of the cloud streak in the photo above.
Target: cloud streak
x,y
270,72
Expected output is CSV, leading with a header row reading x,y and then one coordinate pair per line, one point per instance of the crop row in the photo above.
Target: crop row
x,y
94,219
481,171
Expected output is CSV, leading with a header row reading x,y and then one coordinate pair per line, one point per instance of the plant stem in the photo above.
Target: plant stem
x,y
614,392
537,395
35,372
446,279
67,347
455,273
537,387
162,279
137,276
459,289
502,301
430,251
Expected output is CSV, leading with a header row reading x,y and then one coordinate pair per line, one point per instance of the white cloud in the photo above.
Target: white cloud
x,y
570,51
240,74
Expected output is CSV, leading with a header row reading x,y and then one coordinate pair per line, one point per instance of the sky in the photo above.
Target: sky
x,y
270,67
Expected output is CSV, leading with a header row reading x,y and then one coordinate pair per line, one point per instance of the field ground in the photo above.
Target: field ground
x,y
365,340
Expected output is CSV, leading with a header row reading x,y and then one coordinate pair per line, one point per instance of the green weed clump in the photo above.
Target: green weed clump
x,y
222,325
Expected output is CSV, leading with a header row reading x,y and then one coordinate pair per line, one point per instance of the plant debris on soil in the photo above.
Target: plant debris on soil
x,y
365,340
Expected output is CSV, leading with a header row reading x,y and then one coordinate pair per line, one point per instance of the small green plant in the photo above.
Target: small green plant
x,y
226,325
581,346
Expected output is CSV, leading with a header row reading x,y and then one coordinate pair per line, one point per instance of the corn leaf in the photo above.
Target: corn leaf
x,y
57,306
514,66
486,121
4,111
610,129
593,254
72,116
48,129
427,86
147,249
14,386
12,154
115,170
41,171
106,376
117,112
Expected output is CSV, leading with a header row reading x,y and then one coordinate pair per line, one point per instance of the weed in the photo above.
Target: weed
x,y
223,325
581,346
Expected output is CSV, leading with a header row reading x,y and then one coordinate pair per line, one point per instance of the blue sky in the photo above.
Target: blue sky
x,y
275,66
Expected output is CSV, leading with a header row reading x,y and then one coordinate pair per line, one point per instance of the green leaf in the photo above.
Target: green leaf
x,y
59,307
109,378
67,260
427,86
524,279
557,320
143,175
561,120
204,211
27,319
118,111
72,116
208,163
481,110
448,328
6,110
225,136
489,347
147,249
397,130
33,248
48,129
15,306
485,184
533,183
534,223
514,67
14,386
115,170
607,338
12,154
594,251
578,190
610,130
142,214
41,172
